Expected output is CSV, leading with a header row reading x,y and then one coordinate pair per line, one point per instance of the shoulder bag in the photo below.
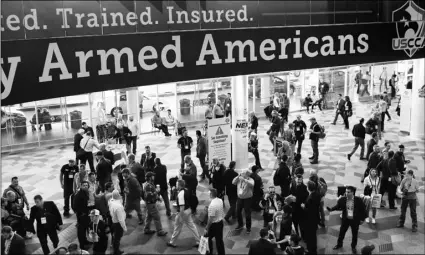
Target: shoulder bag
x,y
81,152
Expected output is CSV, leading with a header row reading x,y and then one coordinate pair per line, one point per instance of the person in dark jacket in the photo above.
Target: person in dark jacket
x,y
353,215
87,128
374,159
253,147
275,127
299,191
136,169
263,245
81,200
253,123
231,190
372,126
77,140
388,170
133,193
216,173
48,219
340,108
107,154
66,178
270,203
284,176
311,209
294,248
160,171
201,153
372,142
15,243
123,136
359,133
308,102
148,159
258,192
299,129
97,231
103,170
400,159
348,111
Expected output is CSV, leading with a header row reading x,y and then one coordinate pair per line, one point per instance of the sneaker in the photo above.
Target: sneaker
x,y
314,162
349,156
367,220
66,214
312,157
162,233
373,221
393,208
239,228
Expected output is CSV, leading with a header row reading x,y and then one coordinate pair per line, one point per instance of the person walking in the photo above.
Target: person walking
x,y
245,186
214,228
134,130
383,109
185,145
275,127
66,178
371,188
160,171
388,170
299,128
340,108
231,190
201,152
348,111
151,197
253,148
184,215
77,140
119,227
103,170
388,100
87,144
311,209
314,138
282,177
371,143
409,186
81,207
133,195
48,219
353,215
359,133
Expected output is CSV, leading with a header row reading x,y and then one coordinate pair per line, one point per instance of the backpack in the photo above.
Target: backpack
x,y
322,134
191,199
323,187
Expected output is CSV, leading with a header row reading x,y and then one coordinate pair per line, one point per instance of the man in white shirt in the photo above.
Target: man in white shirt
x,y
184,216
134,128
87,144
383,107
214,228
170,121
118,215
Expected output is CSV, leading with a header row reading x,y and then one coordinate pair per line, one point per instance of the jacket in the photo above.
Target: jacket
x,y
216,179
229,175
276,121
311,210
123,135
301,194
374,159
387,168
161,176
258,185
81,199
400,161
260,247
109,155
17,245
148,164
50,212
138,171
134,189
254,122
340,105
370,145
228,104
270,203
201,148
245,187
77,141
359,131
102,244
284,174
359,213
103,170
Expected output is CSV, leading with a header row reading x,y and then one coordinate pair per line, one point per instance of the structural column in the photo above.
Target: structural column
x,y
417,128
240,121
265,89
133,107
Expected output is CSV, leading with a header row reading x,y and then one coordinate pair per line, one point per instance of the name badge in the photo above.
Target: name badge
x,y
298,129
271,211
71,176
376,126
19,201
349,213
186,147
43,220
346,108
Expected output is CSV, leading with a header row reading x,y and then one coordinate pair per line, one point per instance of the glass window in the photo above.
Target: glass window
x,y
76,109
311,81
50,119
296,84
367,11
345,12
352,83
335,78
148,103
381,76
322,12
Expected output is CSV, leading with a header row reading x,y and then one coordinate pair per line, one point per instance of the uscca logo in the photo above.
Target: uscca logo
x,y
410,28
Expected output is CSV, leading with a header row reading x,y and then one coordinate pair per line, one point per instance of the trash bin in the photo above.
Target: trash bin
x,y
184,106
20,126
75,119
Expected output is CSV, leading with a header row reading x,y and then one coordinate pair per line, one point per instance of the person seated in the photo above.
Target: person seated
x,y
111,132
308,101
317,102
170,121
157,122
281,227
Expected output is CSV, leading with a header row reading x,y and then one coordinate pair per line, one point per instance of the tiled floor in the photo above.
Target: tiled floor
x,y
38,172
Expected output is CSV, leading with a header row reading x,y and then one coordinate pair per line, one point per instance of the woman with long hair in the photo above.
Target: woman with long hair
x,y
281,226
348,111
372,184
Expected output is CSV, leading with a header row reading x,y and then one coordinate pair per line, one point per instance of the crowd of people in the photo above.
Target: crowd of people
x,y
105,197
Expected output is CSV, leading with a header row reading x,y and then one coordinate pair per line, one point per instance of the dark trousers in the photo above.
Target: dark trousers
x,y
244,204
77,160
133,140
216,231
337,113
232,202
272,136
354,231
257,158
183,154
318,103
358,141
42,237
88,156
299,228
300,144
163,127
387,186
412,205
202,163
382,120
83,224
388,114
315,147
267,217
67,192
311,239
346,122
308,108
227,115
117,233
166,198
284,189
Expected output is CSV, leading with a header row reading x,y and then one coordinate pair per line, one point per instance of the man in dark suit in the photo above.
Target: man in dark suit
x,y
148,159
11,243
48,220
81,208
312,217
201,153
299,191
339,108
353,215
228,105
77,140
107,154
87,128
103,170
136,169
262,245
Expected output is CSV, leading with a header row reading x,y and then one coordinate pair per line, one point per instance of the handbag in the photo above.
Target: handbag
x,y
376,201
203,245
396,180
81,152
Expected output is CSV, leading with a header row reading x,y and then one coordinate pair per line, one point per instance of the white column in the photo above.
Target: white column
x,y
240,121
133,107
265,89
417,128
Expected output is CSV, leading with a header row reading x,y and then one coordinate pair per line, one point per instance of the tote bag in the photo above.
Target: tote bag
x,y
203,245
376,201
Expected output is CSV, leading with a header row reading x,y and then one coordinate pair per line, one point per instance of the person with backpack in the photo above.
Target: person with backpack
x,y
315,132
185,204
282,177
245,185
322,188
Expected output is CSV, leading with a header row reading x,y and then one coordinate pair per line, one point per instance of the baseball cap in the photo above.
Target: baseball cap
x,y
401,146
94,212
312,118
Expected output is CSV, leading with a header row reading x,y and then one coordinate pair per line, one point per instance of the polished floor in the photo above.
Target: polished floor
x,y
38,172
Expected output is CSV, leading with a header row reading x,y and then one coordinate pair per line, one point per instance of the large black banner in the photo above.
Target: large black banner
x,y
49,68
